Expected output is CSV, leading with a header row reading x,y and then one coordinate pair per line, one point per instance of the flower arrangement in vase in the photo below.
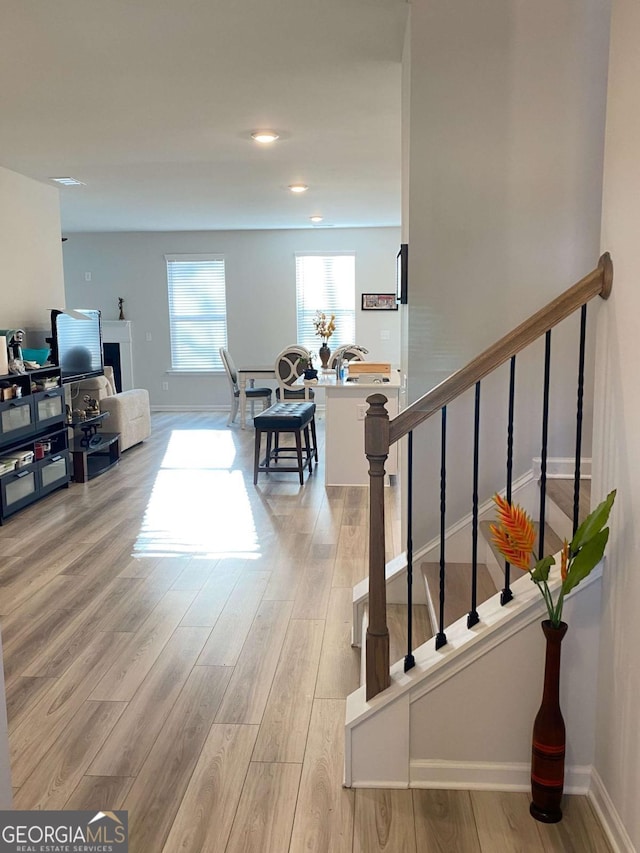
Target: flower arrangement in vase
x,y
324,327
514,536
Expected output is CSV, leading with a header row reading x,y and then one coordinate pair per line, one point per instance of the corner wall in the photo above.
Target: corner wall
x,y
31,251
616,431
507,106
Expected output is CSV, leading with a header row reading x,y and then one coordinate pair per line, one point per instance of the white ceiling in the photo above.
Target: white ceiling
x,y
151,103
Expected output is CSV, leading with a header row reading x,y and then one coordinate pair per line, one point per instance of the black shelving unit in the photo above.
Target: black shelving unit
x,y
32,431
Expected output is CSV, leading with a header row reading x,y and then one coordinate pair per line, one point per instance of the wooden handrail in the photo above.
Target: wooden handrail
x,y
596,283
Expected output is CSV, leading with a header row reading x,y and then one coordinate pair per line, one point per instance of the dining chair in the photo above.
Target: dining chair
x,y
289,366
253,394
352,352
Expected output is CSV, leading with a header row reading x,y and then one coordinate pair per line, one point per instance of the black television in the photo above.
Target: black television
x,y
76,343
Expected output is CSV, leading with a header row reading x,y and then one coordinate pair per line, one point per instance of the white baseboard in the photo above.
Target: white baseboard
x,y
608,815
190,408
488,776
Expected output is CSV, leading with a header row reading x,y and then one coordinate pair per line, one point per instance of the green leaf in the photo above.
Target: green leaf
x,y
588,557
593,523
541,571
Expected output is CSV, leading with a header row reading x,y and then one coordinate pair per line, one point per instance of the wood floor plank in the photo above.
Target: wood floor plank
x,y
248,690
445,822
384,822
210,601
58,774
99,793
21,695
128,745
230,631
287,569
578,832
265,812
314,589
398,629
283,731
205,816
339,668
504,823
132,665
158,789
324,810
44,724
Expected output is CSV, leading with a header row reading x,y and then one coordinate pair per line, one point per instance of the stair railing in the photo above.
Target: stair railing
x,y
381,432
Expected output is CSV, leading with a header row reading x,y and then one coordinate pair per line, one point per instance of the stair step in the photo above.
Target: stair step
x,y
561,493
457,588
397,625
552,542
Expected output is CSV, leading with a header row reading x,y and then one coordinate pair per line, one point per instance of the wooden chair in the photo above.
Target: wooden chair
x,y
288,368
253,394
352,352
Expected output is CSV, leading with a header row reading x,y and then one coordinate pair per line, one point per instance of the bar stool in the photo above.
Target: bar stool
x,y
295,418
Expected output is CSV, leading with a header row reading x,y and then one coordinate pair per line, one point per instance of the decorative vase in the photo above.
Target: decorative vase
x,y
548,747
325,354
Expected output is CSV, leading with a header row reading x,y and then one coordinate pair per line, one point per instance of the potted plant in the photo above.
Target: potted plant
x,y
514,536
307,366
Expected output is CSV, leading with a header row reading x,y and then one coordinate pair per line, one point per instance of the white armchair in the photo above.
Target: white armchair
x,y
129,411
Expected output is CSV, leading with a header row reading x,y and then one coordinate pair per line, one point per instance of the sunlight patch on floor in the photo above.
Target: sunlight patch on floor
x,y
199,506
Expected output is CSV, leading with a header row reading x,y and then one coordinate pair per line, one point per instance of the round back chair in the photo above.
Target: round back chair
x,y
352,352
289,366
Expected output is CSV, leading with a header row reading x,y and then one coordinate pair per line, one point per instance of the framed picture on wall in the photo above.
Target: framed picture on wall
x,y
379,302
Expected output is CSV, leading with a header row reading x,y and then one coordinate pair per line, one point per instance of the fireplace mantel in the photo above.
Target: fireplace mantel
x,y
120,332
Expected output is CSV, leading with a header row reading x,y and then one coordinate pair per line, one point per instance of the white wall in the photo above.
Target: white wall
x,y
507,109
261,295
30,248
617,427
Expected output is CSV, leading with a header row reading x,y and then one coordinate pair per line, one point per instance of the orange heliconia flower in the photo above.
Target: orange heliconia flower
x,y
515,535
564,560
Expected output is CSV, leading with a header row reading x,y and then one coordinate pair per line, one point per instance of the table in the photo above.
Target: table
x,y
250,373
90,460
345,409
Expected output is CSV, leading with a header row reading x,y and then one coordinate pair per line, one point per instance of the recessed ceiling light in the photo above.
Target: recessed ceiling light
x,y
68,182
265,136
316,219
298,188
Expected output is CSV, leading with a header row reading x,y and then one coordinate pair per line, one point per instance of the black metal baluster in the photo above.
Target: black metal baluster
x,y
576,482
473,618
506,594
545,435
409,660
441,637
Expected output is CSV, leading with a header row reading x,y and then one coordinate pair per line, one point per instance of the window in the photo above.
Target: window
x,y
197,311
326,283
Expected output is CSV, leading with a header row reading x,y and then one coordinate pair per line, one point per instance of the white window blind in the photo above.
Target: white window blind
x,y
197,311
326,283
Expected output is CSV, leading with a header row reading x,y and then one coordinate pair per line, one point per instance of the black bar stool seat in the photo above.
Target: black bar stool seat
x,y
295,418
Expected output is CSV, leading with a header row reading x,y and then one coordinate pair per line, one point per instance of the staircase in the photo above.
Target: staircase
x,y
455,711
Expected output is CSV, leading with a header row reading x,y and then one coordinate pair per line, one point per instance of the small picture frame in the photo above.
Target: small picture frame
x,y
379,302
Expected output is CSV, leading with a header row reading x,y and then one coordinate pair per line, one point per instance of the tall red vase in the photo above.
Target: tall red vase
x,y
548,747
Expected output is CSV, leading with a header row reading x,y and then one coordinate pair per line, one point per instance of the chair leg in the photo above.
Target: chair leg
x,y
256,456
234,410
268,456
314,437
299,452
253,407
308,450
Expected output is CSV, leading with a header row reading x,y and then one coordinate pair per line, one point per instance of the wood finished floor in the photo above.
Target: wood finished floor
x,y
176,643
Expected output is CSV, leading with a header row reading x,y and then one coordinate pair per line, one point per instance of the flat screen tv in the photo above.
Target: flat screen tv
x,y
76,343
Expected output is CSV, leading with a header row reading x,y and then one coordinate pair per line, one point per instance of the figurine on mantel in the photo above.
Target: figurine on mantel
x,y
120,307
